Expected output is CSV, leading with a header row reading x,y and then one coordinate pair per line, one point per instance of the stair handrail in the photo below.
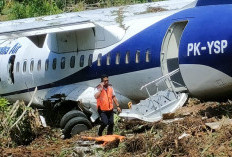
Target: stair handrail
x,y
157,81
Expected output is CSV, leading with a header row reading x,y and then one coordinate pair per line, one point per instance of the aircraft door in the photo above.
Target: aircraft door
x,y
10,69
170,54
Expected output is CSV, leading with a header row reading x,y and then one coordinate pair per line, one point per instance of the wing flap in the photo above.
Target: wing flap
x,y
43,25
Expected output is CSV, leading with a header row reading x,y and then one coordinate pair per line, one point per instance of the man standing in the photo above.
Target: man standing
x,y
104,93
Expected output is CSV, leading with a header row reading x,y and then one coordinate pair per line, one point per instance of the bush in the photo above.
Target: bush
x,y
2,3
3,104
32,8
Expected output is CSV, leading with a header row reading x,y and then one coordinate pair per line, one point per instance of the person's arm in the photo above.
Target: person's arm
x,y
117,104
97,94
99,89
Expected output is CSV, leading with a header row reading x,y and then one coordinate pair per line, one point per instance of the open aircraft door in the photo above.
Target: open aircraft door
x,y
7,70
170,54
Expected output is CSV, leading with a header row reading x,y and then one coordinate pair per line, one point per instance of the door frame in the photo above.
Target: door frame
x,y
170,50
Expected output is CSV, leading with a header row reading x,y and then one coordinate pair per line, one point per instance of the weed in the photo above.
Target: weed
x,y
120,17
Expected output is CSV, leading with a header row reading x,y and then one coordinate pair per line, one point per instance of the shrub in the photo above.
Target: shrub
x,y
32,8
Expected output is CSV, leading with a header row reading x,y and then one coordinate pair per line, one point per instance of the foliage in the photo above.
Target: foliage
x,y
30,8
2,3
19,124
18,9
3,104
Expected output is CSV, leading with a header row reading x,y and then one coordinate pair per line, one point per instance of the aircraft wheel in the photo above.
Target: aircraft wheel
x,y
78,128
69,115
75,126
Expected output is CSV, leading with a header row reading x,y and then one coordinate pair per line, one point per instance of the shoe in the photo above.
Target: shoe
x,y
99,133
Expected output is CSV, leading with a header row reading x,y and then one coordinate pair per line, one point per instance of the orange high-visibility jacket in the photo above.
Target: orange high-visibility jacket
x,y
105,101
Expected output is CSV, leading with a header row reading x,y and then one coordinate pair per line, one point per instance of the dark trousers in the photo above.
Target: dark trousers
x,y
107,118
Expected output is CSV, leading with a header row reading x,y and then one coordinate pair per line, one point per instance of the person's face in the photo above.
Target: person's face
x,y
105,82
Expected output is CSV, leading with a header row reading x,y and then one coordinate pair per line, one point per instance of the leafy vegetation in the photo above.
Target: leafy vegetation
x,y
18,9
3,104
19,124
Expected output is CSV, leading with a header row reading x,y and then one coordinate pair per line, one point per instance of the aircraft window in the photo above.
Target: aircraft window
x,y
127,59
72,62
54,64
46,64
17,67
99,59
90,60
148,56
32,66
62,64
82,59
108,59
39,65
137,56
24,66
117,61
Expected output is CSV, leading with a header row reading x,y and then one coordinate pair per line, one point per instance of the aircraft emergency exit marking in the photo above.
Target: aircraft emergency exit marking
x,y
214,47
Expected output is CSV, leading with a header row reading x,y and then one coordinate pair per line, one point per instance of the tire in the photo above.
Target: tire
x,y
69,115
74,122
78,128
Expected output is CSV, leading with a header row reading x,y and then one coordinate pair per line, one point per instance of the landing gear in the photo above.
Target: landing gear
x,y
75,126
69,115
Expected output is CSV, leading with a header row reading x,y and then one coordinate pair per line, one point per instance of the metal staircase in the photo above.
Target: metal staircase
x,y
164,101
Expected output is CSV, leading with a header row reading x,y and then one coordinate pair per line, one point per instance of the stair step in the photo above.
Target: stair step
x,y
151,109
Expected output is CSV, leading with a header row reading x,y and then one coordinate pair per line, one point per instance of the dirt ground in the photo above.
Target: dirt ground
x,y
187,136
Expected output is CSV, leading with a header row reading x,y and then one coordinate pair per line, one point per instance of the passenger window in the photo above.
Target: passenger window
x,y
25,66
117,61
127,59
137,56
108,59
54,64
62,64
148,56
82,60
39,65
46,64
90,61
32,66
99,59
72,62
17,67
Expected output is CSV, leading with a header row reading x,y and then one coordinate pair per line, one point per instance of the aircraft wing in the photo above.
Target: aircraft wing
x,y
42,25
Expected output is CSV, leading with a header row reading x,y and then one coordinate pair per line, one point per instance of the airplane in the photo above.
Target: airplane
x,y
63,56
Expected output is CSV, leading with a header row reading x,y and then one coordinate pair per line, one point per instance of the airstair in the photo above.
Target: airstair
x,y
164,101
